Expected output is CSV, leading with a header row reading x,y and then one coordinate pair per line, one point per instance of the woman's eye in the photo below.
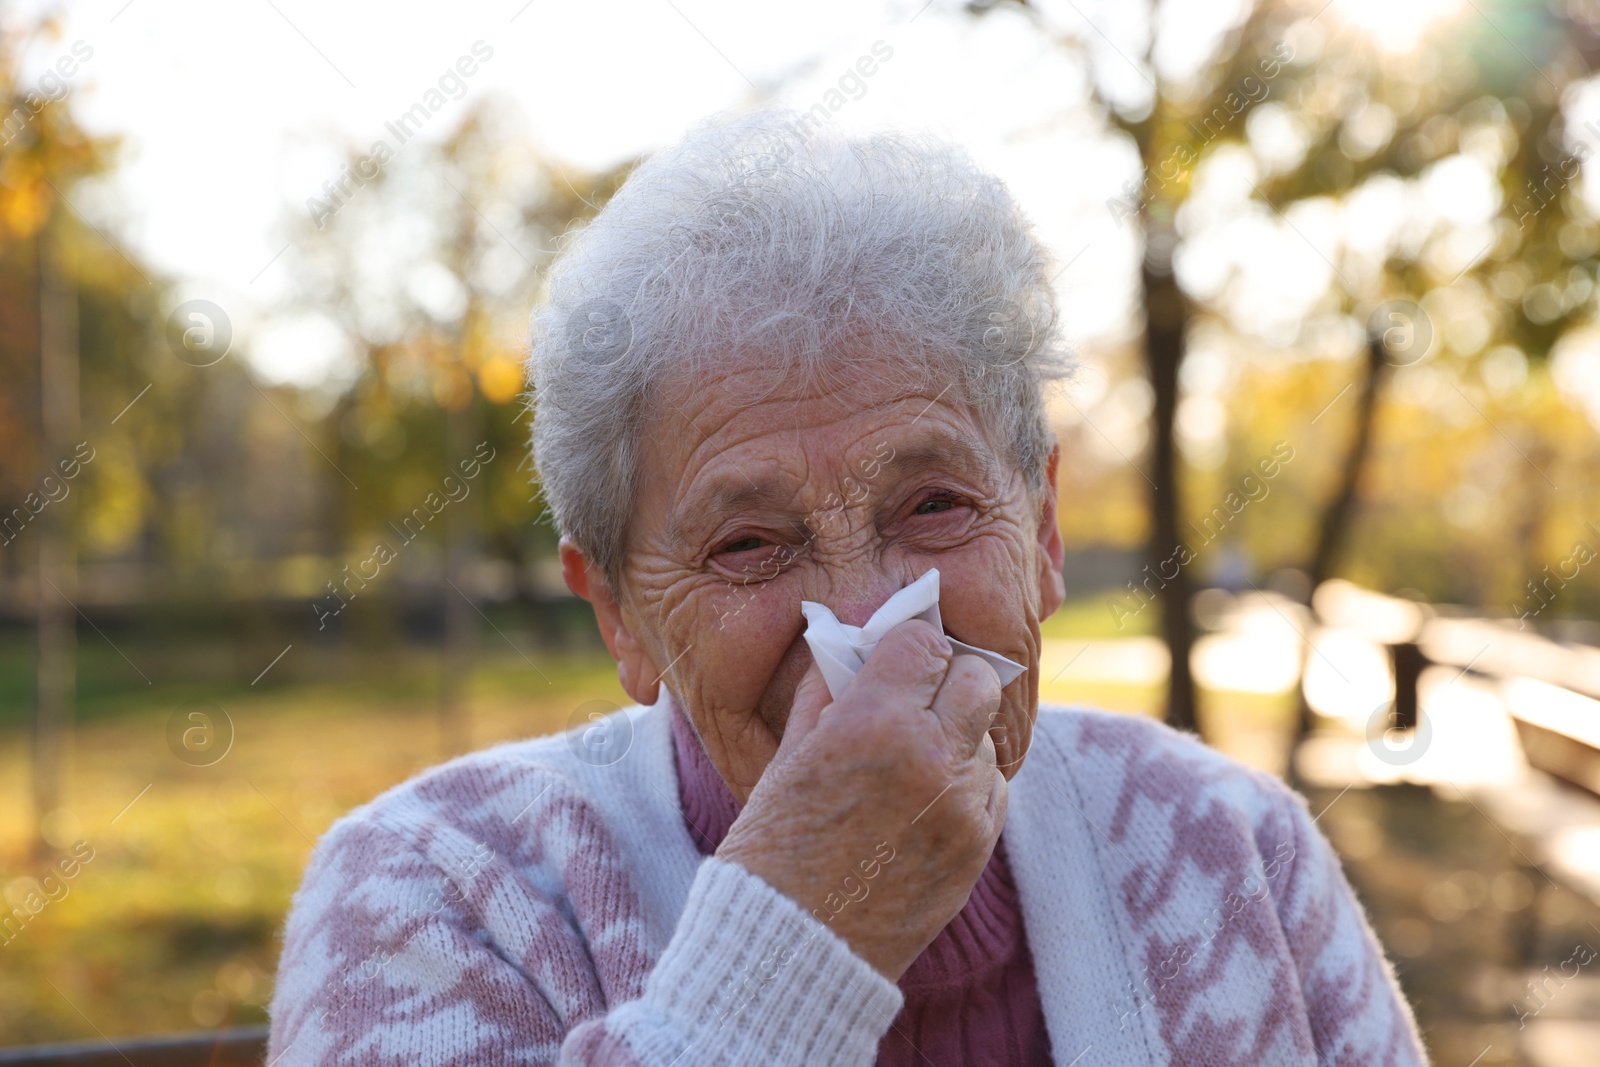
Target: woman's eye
x,y
754,558
744,544
934,506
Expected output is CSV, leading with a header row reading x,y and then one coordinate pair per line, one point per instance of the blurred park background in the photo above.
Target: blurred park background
x,y
269,538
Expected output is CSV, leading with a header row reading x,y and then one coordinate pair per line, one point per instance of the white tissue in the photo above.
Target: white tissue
x,y
841,650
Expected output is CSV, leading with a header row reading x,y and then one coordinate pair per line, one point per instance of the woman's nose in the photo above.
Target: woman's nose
x,y
854,596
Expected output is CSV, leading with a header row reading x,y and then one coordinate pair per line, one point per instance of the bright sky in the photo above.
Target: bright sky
x,y
234,114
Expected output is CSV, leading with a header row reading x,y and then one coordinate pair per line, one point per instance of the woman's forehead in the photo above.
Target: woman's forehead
x,y
838,389
798,427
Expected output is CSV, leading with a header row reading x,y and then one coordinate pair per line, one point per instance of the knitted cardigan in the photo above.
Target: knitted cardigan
x,y
971,997
535,903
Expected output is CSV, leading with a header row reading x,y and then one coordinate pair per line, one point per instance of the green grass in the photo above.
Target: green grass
x,y
172,924
1088,617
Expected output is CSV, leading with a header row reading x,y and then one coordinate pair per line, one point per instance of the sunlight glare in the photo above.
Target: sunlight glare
x,y
1395,26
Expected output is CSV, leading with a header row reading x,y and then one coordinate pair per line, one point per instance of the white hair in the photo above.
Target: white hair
x,y
758,240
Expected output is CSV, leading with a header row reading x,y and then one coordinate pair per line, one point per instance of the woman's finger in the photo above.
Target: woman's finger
x,y
811,696
967,702
907,668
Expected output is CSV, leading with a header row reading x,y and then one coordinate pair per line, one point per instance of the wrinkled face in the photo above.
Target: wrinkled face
x,y
754,499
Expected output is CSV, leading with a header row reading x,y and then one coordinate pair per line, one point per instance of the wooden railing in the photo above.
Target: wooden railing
x,y
1550,690
238,1047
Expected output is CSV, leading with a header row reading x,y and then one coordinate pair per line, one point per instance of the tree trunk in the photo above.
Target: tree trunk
x,y
1334,529
55,663
462,426
1166,316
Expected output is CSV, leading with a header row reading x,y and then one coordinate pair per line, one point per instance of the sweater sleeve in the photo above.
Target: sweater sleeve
x,y
388,959
1358,1015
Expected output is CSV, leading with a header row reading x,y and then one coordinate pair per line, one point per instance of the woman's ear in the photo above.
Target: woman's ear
x,y
1052,557
635,667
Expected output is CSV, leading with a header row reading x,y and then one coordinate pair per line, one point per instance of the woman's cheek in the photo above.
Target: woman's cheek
x,y
982,600
1016,715
742,639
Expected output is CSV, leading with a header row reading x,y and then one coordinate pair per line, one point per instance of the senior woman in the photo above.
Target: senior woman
x,y
783,366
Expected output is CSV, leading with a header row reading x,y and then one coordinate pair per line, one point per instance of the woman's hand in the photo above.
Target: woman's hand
x,y
882,808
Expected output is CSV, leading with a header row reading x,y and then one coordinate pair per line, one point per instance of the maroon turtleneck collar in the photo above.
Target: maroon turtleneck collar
x,y
971,996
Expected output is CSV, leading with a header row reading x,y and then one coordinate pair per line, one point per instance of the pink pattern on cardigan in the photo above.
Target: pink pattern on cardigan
x,y
970,998
542,902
